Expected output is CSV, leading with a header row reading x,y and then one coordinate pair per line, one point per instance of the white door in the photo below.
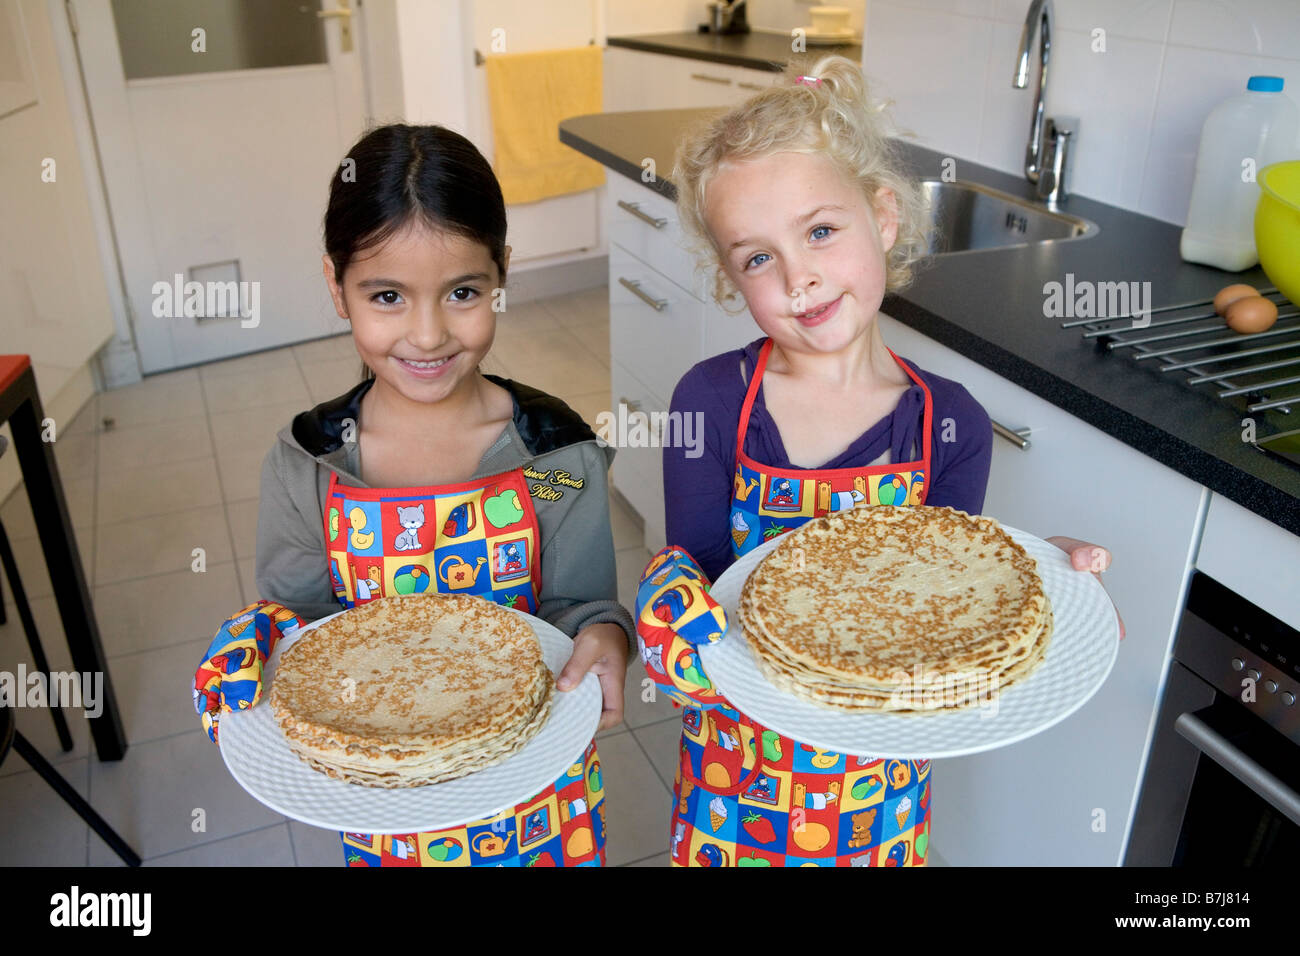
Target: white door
x,y
219,125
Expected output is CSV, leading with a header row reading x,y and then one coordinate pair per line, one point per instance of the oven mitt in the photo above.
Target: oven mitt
x,y
230,677
674,615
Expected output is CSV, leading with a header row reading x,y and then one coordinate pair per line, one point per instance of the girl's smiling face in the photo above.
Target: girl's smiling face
x,y
803,246
420,306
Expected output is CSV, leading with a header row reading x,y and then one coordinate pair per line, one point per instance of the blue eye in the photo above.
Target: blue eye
x,y
761,255
823,229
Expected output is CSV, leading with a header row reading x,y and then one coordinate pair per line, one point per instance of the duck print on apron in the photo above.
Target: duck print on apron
x,y
480,538
748,796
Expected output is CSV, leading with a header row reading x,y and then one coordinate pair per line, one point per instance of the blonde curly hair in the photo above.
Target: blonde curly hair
x,y
836,118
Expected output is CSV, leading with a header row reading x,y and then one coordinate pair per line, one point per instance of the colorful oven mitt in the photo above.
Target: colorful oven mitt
x,y
675,614
230,677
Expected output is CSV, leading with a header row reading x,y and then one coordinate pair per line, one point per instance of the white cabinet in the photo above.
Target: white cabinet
x,y
638,80
1252,556
1037,803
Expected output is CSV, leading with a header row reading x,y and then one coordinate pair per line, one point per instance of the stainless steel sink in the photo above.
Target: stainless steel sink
x,y
966,217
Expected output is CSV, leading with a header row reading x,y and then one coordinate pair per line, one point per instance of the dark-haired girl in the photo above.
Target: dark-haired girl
x,y
394,486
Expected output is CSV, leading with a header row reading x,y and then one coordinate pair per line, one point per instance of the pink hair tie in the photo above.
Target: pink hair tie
x,y
809,80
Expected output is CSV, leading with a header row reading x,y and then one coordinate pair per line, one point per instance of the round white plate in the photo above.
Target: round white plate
x,y
1079,655
260,760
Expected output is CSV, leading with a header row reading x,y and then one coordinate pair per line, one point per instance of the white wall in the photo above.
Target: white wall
x,y
947,64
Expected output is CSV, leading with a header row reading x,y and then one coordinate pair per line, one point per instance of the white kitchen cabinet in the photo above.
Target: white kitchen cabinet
x,y
1252,556
639,80
1041,802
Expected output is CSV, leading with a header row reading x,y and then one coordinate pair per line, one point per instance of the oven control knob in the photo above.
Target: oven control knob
x,y
1288,698
1270,686
1253,674
1238,663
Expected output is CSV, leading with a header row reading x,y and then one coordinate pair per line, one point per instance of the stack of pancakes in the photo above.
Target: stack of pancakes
x,y
905,610
409,691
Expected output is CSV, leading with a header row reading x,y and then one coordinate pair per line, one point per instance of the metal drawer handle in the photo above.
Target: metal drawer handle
x,y
711,79
635,209
1017,436
633,406
751,86
634,286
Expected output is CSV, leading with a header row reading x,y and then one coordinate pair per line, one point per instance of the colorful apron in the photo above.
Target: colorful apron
x,y
747,796
481,538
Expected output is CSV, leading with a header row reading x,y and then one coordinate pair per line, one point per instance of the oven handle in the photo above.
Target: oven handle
x,y
1210,742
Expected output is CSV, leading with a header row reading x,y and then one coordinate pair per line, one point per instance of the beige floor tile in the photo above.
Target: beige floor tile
x,y
241,473
644,701
154,690
158,490
580,308
325,350
78,496
594,337
252,429
326,380
85,421
269,846
167,609
243,526
566,373
259,363
636,801
37,827
659,859
181,439
662,743
247,569
155,399
30,559
313,846
151,794
626,526
493,365
74,453
161,544
253,388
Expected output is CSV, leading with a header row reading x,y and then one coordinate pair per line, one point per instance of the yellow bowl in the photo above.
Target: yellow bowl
x,y
1277,226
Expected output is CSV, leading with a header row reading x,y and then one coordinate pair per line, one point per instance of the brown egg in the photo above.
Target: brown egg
x,y
1230,294
1251,314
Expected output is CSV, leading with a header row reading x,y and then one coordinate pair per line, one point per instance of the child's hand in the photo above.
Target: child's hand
x,y
1087,557
601,649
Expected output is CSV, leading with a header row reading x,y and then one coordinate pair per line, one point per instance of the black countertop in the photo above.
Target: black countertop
x,y
758,51
988,305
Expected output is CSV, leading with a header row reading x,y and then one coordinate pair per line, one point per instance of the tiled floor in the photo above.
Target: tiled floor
x,y
179,469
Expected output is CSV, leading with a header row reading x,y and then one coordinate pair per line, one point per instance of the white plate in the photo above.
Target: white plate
x,y
1081,652
260,760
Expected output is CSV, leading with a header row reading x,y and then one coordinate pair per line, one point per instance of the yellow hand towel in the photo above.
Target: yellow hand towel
x,y
530,93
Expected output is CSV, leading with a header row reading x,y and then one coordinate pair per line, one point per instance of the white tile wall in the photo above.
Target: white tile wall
x,y
947,65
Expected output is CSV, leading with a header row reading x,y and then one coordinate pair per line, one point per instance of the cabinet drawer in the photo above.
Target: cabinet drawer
x,y
638,468
646,225
659,344
1252,556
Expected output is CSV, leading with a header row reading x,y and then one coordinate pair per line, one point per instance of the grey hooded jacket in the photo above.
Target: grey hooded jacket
x,y
566,470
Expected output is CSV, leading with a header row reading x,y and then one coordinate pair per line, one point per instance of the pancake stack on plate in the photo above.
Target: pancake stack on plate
x,y
900,610
409,691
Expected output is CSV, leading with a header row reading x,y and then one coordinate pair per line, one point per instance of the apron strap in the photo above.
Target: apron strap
x,y
750,394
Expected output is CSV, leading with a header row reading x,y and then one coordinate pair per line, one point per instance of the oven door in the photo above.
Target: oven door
x,y
1222,784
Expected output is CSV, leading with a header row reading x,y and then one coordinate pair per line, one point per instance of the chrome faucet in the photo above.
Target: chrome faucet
x,y
1047,155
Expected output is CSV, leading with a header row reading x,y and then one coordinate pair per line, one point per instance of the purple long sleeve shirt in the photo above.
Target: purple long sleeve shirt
x,y
698,490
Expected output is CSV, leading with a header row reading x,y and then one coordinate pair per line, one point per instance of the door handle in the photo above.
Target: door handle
x,y
344,15
1017,436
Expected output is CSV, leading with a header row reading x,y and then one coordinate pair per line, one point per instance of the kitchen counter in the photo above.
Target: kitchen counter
x,y
757,51
989,306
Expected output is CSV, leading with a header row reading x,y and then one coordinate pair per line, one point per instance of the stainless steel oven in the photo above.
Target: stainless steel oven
x,y
1222,785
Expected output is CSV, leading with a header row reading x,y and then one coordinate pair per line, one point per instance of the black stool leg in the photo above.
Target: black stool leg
x,y
74,800
29,627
